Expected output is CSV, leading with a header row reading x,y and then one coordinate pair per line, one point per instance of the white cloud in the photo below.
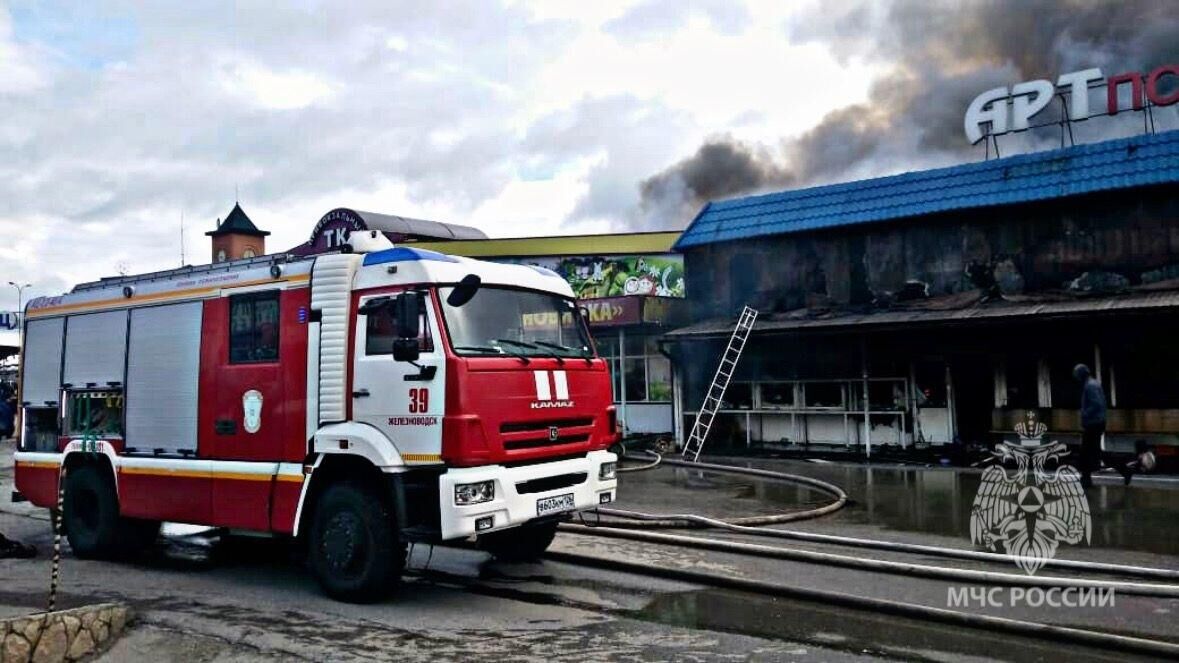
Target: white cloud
x,y
652,19
273,90
521,118
18,74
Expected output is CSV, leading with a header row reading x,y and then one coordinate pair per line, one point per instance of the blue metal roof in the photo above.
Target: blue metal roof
x,y
1115,164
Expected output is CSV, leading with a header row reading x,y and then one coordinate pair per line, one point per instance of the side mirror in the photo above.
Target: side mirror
x,y
464,291
406,349
407,310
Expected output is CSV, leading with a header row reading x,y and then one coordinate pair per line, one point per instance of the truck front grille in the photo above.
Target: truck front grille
x,y
555,434
544,425
536,443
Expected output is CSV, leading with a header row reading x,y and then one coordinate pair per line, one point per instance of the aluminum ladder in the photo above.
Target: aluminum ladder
x,y
720,382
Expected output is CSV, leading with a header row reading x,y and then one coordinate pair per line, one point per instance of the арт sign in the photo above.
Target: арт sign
x,y
1004,110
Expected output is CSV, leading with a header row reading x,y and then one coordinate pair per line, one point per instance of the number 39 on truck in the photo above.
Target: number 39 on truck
x,y
356,401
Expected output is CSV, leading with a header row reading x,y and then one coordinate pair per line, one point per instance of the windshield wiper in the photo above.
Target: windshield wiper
x,y
523,344
559,358
568,348
495,350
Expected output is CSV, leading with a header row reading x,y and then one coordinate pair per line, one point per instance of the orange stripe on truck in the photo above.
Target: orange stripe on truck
x,y
117,302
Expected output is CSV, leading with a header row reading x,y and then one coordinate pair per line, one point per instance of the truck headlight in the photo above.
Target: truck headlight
x,y
474,493
607,470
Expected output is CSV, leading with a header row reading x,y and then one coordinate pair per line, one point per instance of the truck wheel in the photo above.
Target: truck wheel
x,y
352,548
91,518
525,543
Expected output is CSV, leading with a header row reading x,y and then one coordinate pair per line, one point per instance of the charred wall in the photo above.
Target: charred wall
x,y
1107,240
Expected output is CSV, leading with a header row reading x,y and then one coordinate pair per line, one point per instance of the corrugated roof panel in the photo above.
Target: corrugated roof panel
x,y
1115,164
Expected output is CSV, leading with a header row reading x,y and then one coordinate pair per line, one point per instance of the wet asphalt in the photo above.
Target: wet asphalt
x,y
204,597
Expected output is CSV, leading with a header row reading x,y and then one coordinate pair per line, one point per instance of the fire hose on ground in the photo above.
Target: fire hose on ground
x,y
1119,643
633,520
630,524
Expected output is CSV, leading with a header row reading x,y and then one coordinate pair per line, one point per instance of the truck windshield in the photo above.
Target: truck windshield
x,y
502,321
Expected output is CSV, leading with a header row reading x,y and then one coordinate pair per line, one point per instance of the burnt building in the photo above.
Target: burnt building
x,y
945,305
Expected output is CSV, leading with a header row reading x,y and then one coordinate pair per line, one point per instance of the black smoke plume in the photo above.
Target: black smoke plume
x,y
721,168
944,55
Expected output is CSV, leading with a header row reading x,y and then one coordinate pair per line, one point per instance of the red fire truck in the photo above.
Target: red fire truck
x,y
356,401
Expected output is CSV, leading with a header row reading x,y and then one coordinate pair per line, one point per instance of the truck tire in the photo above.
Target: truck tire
x,y
353,548
92,523
525,543
91,518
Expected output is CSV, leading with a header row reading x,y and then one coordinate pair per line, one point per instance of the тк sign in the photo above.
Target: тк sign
x,y
1011,109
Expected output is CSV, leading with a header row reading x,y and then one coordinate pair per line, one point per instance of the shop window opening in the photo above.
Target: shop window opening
x,y
647,373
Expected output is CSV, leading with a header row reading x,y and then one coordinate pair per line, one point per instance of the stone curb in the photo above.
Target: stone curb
x,y
65,635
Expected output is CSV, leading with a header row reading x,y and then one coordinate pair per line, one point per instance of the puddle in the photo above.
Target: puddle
x,y
907,499
939,502
853,631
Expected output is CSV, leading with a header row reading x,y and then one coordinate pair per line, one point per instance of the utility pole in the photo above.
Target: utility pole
x,y
20,311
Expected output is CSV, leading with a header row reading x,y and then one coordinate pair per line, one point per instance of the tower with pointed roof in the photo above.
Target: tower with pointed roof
x,y
237,237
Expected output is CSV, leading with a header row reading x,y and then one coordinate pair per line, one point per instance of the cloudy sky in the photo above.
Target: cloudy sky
x,y
518,117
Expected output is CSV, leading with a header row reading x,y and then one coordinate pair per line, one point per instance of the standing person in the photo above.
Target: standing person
x,y
1092,422
7,413
8,547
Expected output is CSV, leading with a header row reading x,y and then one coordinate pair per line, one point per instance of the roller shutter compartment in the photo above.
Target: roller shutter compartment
x,y
95,349
163,369
42,368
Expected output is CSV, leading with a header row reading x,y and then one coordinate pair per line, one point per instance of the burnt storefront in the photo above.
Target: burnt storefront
x,y
944,306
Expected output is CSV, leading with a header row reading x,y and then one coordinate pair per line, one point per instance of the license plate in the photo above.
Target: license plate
x,y
555,504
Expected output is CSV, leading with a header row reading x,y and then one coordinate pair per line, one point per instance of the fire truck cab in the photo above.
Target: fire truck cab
x,y
356,401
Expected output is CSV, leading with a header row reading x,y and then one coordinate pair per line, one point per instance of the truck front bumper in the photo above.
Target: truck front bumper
x,y
518,490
